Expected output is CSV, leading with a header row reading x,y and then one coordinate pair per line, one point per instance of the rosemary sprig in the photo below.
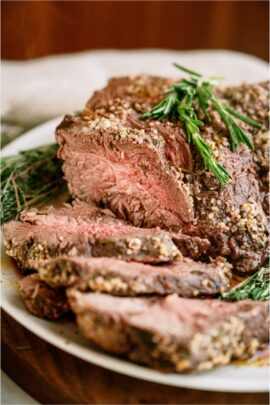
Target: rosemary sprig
x,y
165,109
187,114
179,104
206,99
256,287
243,118
29,178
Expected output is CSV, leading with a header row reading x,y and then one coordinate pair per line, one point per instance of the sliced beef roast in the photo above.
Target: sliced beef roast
x,y
80,213
172,333
146,172
42,300
28,242
185,278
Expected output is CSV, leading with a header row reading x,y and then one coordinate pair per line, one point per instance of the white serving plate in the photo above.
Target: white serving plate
x,y
64,334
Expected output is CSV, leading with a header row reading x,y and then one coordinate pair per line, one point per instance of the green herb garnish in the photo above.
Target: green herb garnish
x,y
256,287
29,178
178,104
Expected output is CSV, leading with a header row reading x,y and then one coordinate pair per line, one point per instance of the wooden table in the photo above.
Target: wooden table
x,y
52,376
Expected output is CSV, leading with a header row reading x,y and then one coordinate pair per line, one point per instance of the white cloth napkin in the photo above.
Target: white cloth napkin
x,y
36,90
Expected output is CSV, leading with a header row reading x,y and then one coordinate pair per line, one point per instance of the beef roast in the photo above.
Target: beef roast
x,y
172,333
42,300
146,172
185,278
40,237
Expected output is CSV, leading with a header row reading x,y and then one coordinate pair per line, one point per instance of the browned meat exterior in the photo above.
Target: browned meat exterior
x,y
232,217
42,300
193,247
144,171
253,100
41,237
172,333
186,278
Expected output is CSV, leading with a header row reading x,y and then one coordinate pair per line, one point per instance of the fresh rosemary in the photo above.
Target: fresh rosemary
x,y
29,178
256,287
179,104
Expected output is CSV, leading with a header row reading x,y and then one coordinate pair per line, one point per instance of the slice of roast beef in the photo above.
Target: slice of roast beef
x,y
77,213
80,213
110,139
28,243
172,333
42,300
185,278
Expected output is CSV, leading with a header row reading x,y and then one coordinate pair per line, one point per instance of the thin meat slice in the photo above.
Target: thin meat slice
x,y
172,333
28,243
42,300
77,213
80,213
185,278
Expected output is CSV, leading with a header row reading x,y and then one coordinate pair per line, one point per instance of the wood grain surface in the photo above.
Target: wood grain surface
x,y
52,376
36,28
